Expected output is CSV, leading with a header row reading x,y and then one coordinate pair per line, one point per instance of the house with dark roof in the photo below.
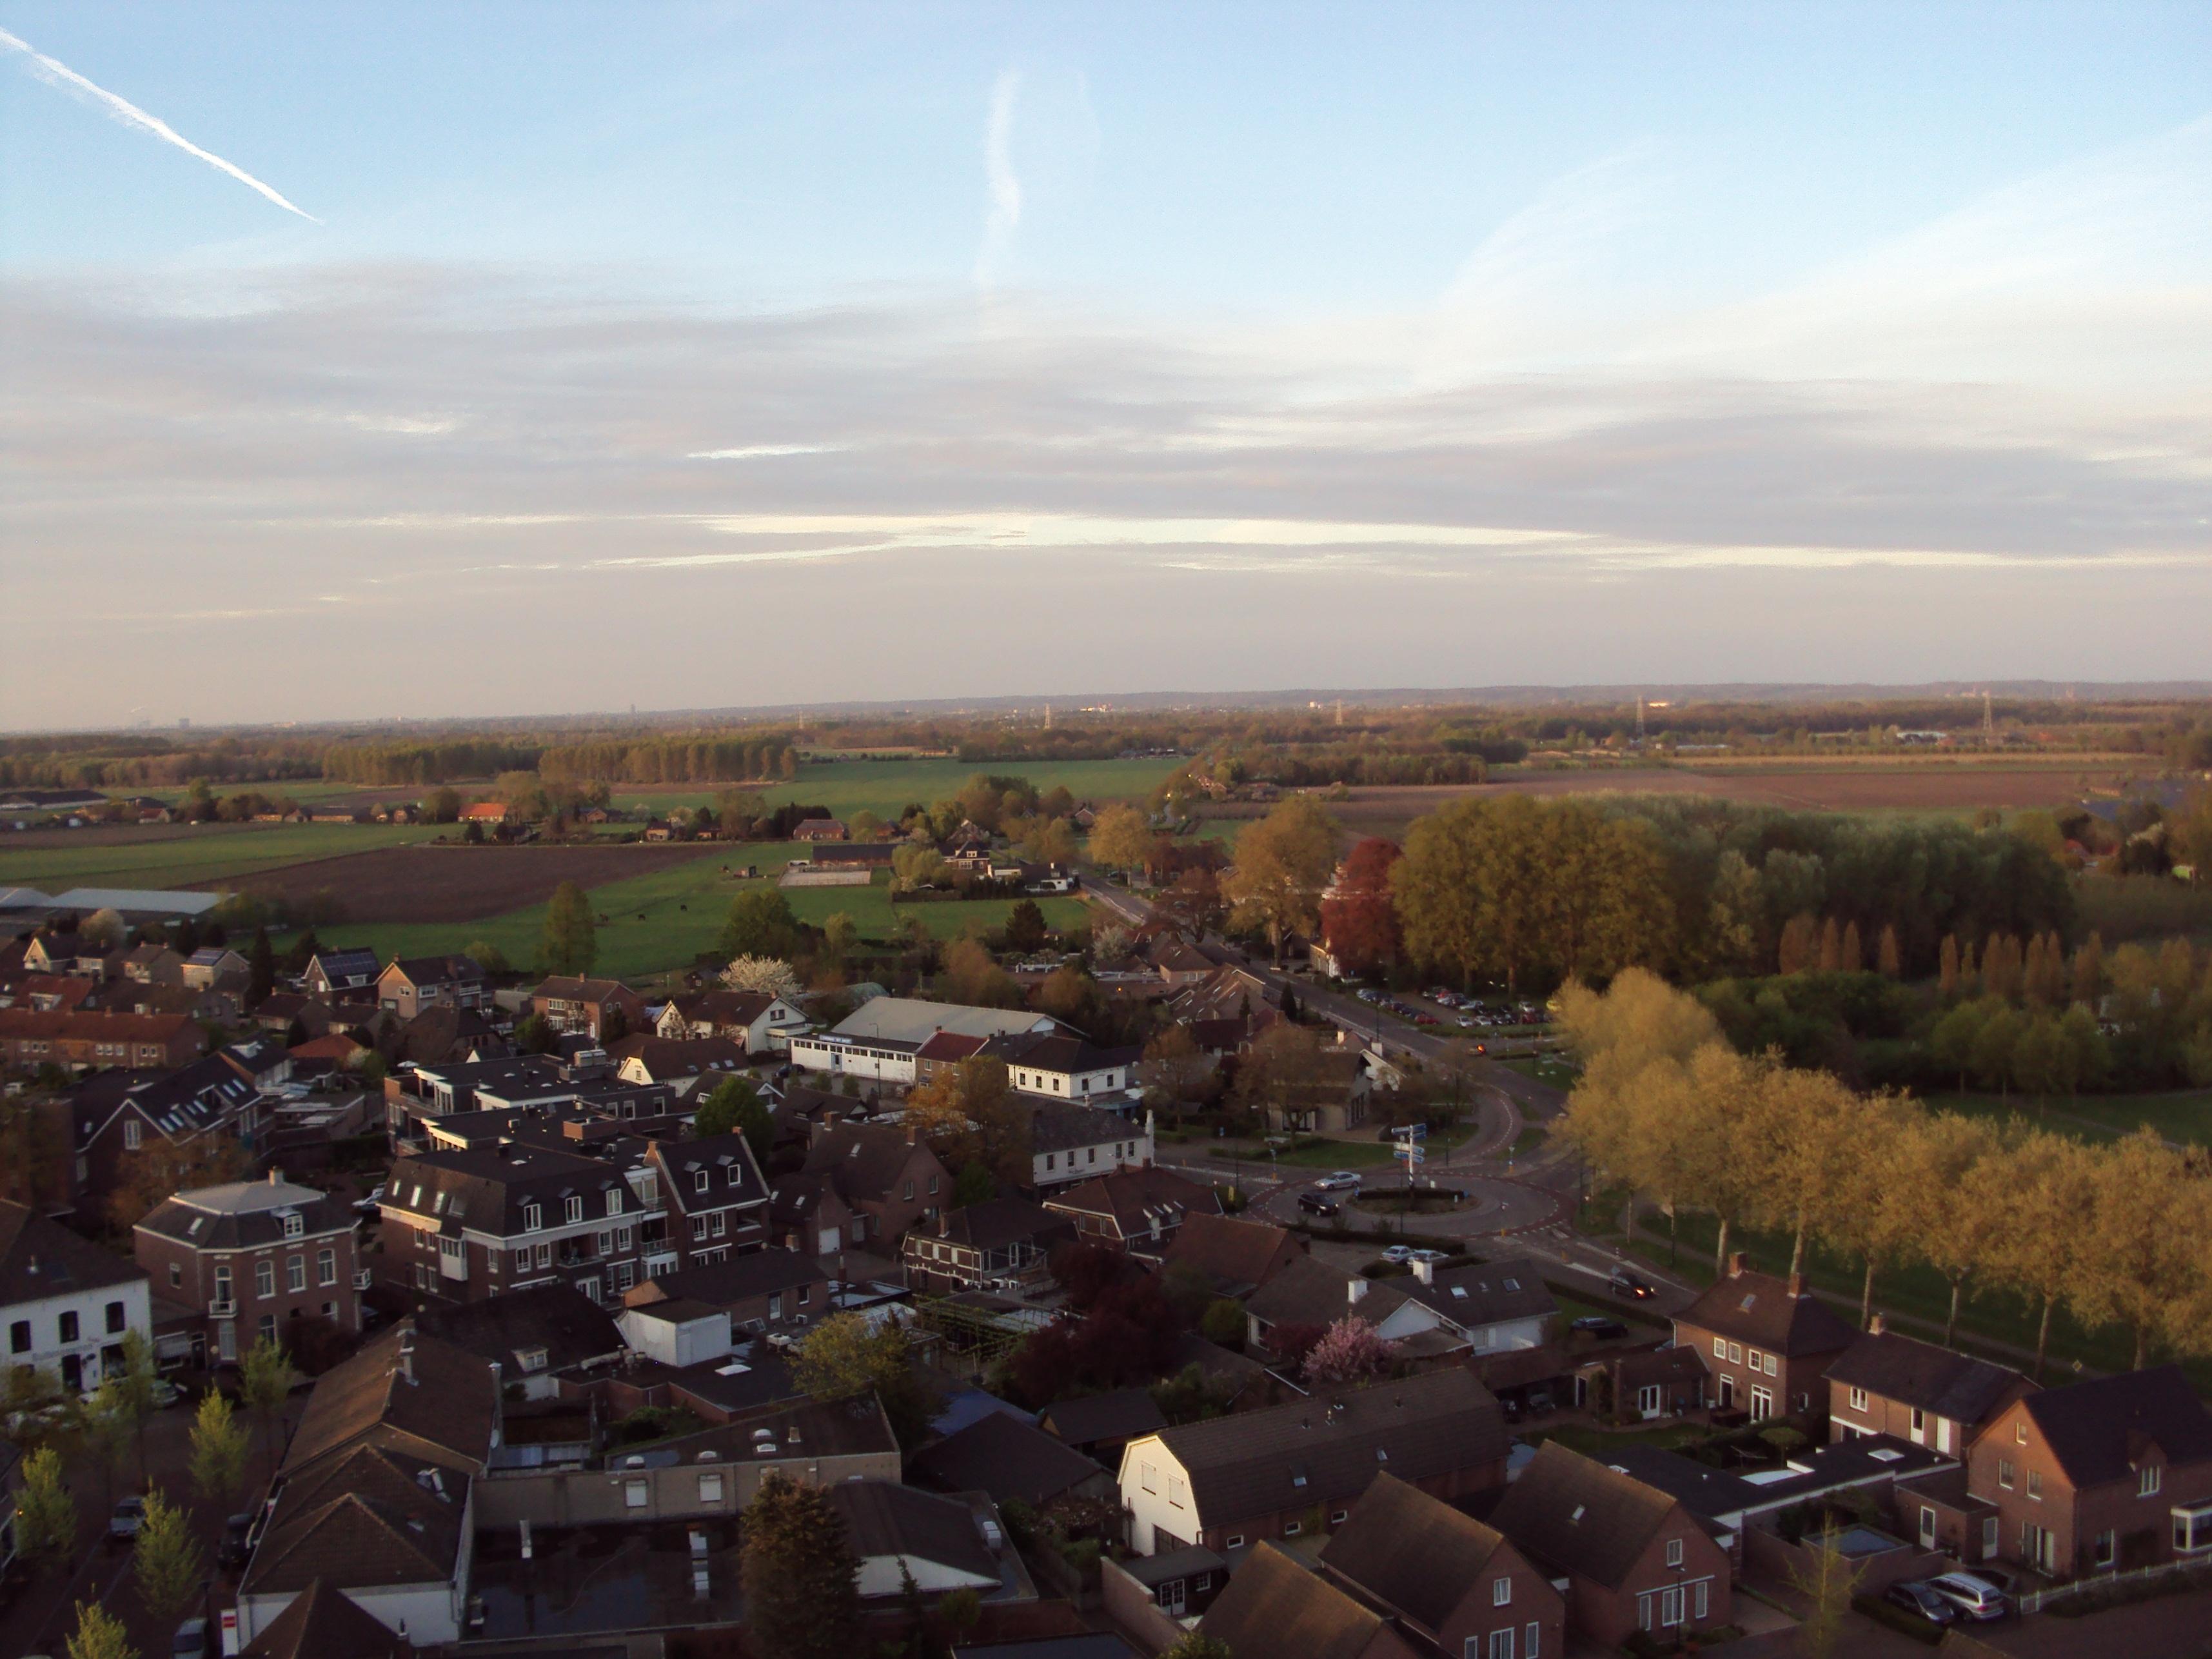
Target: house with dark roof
x,y
1275,1607
2113,1473
1138,1211
1454,1582
92,1039
528,1335
1100,1425
249,1257
569,1003
206,1097
1010,1459
1888,1383
717,1202
998,1242
757,1289
330,974
692,1067
1767,1343
1297,1469
324,1622
820,829
755,1020
1634,1557
1235,1257
409,985
65,1303
464,1225
1072,1143
1063,1066
903,1535
861,1185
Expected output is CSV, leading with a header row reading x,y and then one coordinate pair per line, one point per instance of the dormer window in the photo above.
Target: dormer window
x,y
574,1210
295,1224
533,1218
2148,1479
699,1182
613,1201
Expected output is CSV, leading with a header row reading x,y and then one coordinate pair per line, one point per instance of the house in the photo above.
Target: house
x,y
1457,1583
1179,963
1635,1559
1063,1066
65,1303
252,1256
1227,993
851,856
205,1097
1767,1342
527,1336
862,1184
1012,1460
757,1022
883,1038
324,1622
2112,1473
991,1244
1642,1383
83,954
93,1040
50,994
212,968
410,984
154,965
1298,1468
820,829
589,1005
1071,1143
1333,1099
464,1225
690,1065
903,1537
1234,1257
1166,1592
333,973
1099,1425
943,1052
1888,1383
1273,1605
756,1290
1136,1211
486,812
377,1493
1310,1295
716,1200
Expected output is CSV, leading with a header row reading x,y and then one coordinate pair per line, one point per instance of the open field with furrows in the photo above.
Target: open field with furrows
x,y
650,924
460,883
185,855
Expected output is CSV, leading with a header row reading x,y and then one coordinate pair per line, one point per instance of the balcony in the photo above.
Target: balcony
x,y
575,1252
222,1308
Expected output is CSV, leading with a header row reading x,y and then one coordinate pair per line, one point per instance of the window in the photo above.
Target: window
x,y
721,1225
114,1317
1990,1539
1720,1347
698,1226
1858,1399
1771,1365
533,1218
1146,1475
269,1327
544,1256
634,1494
265,1278
2192,1528
2004,1473
295,1272
522,1260
1501,1592
1751,1357
710,1487
1233,1541
296,1226
19,1337
1501,1644
906,1193
1736,1353
2103,1547
606,1240
574,1208
699,1182
2035,1484
932,1182
614,1203
2020,1430
1532,1638
531,1359
134,1134
1919,1422
68,1323
176,1275
1176,1489
1673,1552
2148,1478
1338,1518
1670,1605
625,1238
1700,1587
1292,1529
326,1266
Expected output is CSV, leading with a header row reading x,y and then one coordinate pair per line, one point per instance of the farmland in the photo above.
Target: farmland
x,y
459,883
185,855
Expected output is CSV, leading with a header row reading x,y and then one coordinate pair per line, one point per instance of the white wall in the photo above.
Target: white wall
x,y
881,1575
48,1350
672,1344
1168,1506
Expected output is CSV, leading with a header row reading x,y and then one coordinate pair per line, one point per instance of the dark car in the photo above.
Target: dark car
x,y
1920,1598
1598,1325
128,1516
1624,1282
1314,1204
235,1550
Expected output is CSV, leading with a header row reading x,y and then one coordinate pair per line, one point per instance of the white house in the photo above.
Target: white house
x,y
757,1021
882,1038
65,1303
1062,1067
677,1332
1073,1143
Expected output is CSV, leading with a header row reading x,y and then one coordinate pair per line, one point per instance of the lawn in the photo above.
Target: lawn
x,y
2183,1116
167,859
1544,1068
886,786
662,922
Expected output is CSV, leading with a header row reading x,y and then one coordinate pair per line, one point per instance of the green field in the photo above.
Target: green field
x,y
886,786
168,859
2185,1116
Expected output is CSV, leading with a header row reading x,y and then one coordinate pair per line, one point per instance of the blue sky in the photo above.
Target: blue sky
x,y
1032,348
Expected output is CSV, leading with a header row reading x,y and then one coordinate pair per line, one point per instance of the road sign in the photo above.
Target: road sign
x,y
1410,1132
1412,1154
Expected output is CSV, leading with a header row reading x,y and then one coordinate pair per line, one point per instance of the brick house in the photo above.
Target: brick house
x,y
2115,1473
1886,1383
113,1115
757,1289
333,973
410,984
886,1173
1273,1605
1456,1582
1634,1557
820,829
1766,1342
711,1187
1236,1257
1297,1469
464,1225
1135,1211
93,1040
569,1004
1000,1238
250,1257
754,1020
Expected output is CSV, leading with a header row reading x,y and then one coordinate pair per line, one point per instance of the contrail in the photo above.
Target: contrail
x,y
55,73
1005,185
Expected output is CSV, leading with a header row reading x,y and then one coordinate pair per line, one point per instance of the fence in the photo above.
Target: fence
x,y
2039,1600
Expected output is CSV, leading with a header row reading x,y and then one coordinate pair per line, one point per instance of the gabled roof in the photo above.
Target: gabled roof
x,y
1576,1515
1310,1292
93,1025
911,1019
340,967
2106,1429
740,1278
324,1622
1329,1447
664,1058
725,1007
995,1223
243,1214
1059,1053
1235,1256
559,1319
371,1515
1486,1293
486,1187
568,988
1007,1458
726,1160
1273,1606
1411,1552
1769,1312
1121,1415
197,1096
40,1258
861,1160
1137,1198
1060,1128
433,971
883,1518
404,1389
948,1046
1915,1373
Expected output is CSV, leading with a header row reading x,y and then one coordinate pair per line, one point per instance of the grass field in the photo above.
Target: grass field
x,y
886,786
193,857
2185,1116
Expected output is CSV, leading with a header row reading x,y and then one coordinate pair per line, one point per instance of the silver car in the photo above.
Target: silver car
x,y
1973,1597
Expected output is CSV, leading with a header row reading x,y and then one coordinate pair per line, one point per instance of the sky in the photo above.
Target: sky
x,y
424,360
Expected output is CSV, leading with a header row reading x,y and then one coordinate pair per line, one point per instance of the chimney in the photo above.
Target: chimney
x,y
1796,1284
1736,1264
1356,1288
1425,1272
1876,1326
273,1177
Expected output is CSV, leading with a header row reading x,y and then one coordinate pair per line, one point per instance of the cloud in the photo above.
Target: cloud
x,y
761,452
56,74
1005,186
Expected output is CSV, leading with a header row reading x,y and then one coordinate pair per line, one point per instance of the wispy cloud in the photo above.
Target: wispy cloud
x,y
761,452
55,73
1004,185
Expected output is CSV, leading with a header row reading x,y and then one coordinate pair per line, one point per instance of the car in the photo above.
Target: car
x,y
1916,1595
164,1394
1314,1204
1337,1181
1998,1579
372,1204
1970,1595
1599,1326
191,1640
1624,1282
1424,1019
1400,1254
128,1516
237,1547
1429,1256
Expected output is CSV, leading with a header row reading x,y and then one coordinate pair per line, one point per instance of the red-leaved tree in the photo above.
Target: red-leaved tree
x,y
1349,1352
1358,924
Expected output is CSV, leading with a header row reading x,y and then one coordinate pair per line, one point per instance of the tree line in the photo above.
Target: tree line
x,y
426,763
723,759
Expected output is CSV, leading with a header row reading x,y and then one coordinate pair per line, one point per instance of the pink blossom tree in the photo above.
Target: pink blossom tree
x,y
1349,1352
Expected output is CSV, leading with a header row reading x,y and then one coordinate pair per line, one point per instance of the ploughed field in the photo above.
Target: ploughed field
x,y
460,883
1935,788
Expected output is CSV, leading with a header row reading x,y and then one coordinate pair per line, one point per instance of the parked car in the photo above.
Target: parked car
x,y
1916,1595
1598,1325
1429,1256
1624,1282
164,1394
1997,1579
1337,1181
235,1550
1970,1595
129,1516
191,1640
1314,1204
1400,1254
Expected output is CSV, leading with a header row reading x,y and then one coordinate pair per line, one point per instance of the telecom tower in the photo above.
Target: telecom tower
x,y
1988,723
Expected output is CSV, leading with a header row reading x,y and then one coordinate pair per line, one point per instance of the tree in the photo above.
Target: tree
x,y
1827,1582
1947,1183
34,1152
1196,1644
1283,864
161,1167
842,1357
1359,922
2090,970
261,964
100,1635
800,1580
134,1389
917,867
266,1379
1174,1070
534,1035
840,933
167,1560
1049,841
972,977
1946,977
45,1514
761,924
218,1443
736,1105
1121,839
763,974
2140,1244
1349,1352
1277,1077
1889,959
570,944
1223,1322
488,956
2049,1186
975,1184
1025,927
970,1111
